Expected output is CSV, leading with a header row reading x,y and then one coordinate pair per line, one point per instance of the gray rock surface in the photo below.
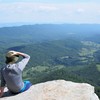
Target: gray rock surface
x,y
55,90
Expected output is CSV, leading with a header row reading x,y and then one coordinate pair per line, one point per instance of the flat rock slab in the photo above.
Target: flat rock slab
x,y
55,90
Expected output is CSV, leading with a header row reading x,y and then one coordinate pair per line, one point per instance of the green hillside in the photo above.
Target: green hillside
x,y
70,52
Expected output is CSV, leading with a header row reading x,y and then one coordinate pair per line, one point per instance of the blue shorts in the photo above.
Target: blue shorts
x,y
27,85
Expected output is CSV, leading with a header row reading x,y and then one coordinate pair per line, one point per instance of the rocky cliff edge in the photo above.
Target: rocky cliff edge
x,y
55,90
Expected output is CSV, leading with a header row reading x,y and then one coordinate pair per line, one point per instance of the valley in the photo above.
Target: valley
x,y
69,52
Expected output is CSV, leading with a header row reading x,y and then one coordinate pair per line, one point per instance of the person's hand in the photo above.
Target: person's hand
x,y
1,91
11,53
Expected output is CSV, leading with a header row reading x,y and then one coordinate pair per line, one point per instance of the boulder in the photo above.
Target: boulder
x,y
55,90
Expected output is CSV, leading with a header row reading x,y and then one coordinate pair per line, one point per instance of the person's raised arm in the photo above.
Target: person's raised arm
x,y
24,61
15,53
22,54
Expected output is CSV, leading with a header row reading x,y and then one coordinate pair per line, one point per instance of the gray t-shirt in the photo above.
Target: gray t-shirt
x,y
11,75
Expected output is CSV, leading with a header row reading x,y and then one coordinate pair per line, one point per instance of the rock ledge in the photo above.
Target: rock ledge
x,y
56,90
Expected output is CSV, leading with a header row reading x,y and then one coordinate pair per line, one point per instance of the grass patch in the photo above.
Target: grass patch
x,y
98,67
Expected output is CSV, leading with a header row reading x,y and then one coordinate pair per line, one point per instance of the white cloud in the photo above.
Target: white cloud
x,y
48,7
80,10
44,12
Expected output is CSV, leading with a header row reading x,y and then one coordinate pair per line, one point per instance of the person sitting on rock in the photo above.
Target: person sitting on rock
x,y
11,74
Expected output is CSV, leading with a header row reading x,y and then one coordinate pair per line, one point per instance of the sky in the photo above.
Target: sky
x,y
50,11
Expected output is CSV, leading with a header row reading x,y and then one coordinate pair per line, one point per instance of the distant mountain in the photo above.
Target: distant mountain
x,y
52,42
50,39
46,32
58,51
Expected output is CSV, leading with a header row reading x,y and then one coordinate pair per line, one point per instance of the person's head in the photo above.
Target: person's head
x,y
11,57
